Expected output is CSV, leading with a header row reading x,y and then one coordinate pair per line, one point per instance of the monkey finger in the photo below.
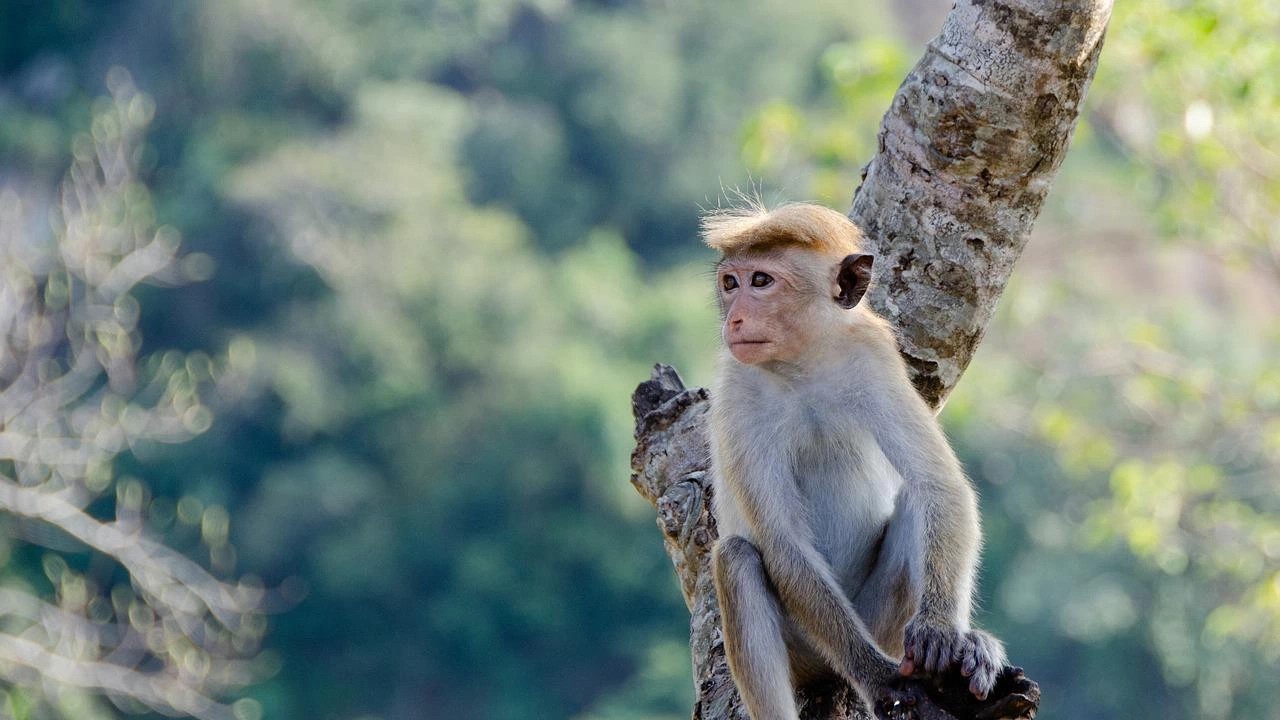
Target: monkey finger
x,y
939,653
906,668
987,649
931,658
909,655
922,655
951,648
982,682
961,651
967,656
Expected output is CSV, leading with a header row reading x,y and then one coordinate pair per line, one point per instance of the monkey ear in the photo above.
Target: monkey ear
x,y
852,279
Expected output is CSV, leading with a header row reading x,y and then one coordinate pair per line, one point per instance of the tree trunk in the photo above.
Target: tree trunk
x,y
967,153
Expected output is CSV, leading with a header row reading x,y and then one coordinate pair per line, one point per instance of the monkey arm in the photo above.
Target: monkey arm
x,y
938,503
804,581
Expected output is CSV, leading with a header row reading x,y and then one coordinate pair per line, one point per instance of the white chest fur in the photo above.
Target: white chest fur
x,y
845,486
848,489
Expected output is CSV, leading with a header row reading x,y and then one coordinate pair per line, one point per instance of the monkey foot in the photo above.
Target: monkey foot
x,y
947,697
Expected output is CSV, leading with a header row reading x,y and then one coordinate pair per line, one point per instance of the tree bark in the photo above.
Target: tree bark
x,y
967,153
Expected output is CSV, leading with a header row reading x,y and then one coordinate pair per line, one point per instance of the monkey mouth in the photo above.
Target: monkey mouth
x,y
749,342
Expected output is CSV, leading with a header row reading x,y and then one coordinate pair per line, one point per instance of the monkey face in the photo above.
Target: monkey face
x,y
768,304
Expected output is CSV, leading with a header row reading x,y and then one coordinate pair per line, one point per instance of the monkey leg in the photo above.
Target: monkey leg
x,y
888,598
753,630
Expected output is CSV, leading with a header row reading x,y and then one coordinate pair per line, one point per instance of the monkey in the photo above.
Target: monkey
x,y
849,534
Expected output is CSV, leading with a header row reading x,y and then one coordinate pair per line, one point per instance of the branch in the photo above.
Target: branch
x,y
967,153
162,693
184,588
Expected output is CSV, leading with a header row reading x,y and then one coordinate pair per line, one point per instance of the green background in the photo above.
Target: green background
x,y
444,239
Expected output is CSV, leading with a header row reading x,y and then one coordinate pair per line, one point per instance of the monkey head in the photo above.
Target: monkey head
x,y
776,305
786,279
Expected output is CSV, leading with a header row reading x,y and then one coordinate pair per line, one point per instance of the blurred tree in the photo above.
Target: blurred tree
x,y
594,95
31,29
464,420
115,610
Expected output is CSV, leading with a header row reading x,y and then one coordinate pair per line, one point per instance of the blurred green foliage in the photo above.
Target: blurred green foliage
x,y
445,239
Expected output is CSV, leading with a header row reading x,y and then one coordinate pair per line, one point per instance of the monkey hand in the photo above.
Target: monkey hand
x,y
981,657
930,646
933,647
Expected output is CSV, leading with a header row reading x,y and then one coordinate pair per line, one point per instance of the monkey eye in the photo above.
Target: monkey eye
x,y
760,279
729,282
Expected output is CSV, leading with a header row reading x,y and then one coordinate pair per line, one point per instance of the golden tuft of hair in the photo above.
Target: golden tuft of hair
x,y
752,227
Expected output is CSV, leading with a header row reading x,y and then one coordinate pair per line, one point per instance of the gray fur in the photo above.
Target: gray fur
x,y
849,532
